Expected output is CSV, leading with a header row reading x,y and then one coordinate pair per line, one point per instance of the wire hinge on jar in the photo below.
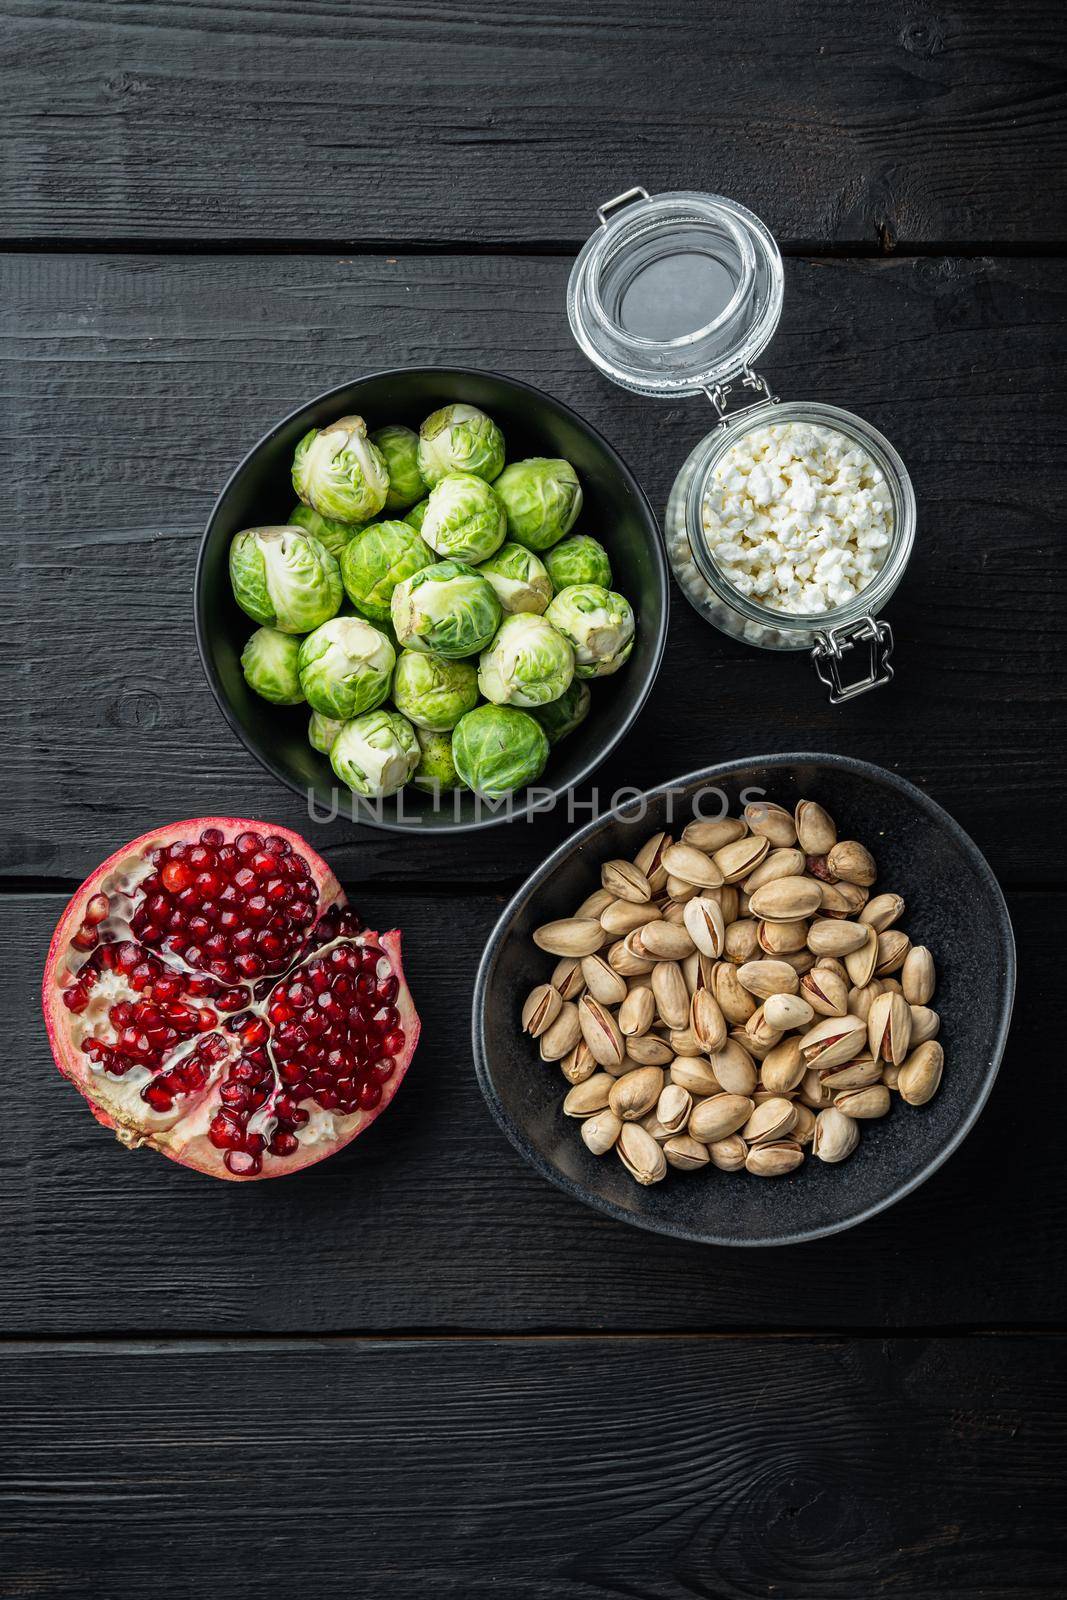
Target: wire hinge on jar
x,y
828,653
749,380
626,198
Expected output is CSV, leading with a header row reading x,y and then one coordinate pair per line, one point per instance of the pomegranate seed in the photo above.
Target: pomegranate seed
x,y
255,1032
242,1163
97,909
209,884
155,1095
248,843
75,1000
234,1095
225,1131
276,844
393,1042
86,938
283,1144
212,836
175,875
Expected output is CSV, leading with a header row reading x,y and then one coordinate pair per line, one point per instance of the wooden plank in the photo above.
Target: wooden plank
x,y
431,1221
546,1470
133,385
386,122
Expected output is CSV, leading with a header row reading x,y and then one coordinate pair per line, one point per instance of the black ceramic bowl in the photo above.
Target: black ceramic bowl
x,y
954,906
615,510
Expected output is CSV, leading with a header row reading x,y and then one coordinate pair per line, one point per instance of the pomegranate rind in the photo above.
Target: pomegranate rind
x,y
196,1150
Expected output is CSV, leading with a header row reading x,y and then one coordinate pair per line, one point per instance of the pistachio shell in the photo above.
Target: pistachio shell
x,y
579,1064
640,1154
764,978
561,1036
667,941
649,860
772,1119
649,1050
703,920
736,860
623,916
567,977
830,937
815,827
860,963
728,1154
893,949
864,1104
570,936
673,1107
734,1068
741,943
825,992
672,996
920,1076
713,1119
603,983
691,865
889,1028
594,904
541,1009
925,1024
600,1031
774,1160
881,912
786,900
696,1075
636,1093
685,1153
637,1013
711,836
851,861
836,1136
833,1041
785,1011
706,1021
771,821
600,1132
918,976
783,938
625,881
783,1067
777,864
588,1097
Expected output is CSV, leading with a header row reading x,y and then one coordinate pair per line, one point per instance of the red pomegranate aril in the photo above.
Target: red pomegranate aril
x,y
283,1143
234,1095
278,891
155,1095
249,966
257,908
255,1032
96,909
393,1042
213,837
369,1095
175,875
209,884
242,1163
225,1131
199,928
86,938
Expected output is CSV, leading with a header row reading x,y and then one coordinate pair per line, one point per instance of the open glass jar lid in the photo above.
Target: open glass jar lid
x,y
679,294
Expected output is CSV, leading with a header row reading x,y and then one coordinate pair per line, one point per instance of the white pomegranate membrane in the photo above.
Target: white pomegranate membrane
x,y
221,1001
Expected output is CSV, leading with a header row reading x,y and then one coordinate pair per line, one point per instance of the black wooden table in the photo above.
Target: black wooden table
x,y
416,1369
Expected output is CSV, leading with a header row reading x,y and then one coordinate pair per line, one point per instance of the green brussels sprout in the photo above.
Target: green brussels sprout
x,y
269,663
375,754
460,438
527,664
562,716
519,578
599,624
416,515
322,731
445,610
434,693
436,771
284,578
375,561
497,749
464,519
334,535
340,473
542,498
400,451
579,559
346,667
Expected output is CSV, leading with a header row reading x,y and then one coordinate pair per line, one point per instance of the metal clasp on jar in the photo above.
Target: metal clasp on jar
x,y
829,650
749,380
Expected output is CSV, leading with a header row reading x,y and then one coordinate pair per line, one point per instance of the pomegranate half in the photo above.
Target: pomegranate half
x,y
212,994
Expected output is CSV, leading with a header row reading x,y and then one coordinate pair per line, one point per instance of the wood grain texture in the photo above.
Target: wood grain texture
x,y
133,385
547,1470
871,124
432,1221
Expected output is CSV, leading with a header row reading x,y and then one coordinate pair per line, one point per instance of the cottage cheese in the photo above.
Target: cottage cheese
x,y
798,517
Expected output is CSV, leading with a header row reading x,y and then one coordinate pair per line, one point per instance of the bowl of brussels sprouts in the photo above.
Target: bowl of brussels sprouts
x,y
435,597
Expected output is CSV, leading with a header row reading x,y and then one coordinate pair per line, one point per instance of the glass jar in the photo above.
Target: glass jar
x,y
678,294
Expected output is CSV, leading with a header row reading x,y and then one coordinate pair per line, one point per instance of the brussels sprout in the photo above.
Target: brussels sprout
x,y
376,560
527,664
346,667
340,473
436,771
542,498
445,610
375,754
519,578
434,693
579,559
599,624
417,514
464,519
284,578
334,535
400,452
460,438
269,663
322,731
562,716
497,749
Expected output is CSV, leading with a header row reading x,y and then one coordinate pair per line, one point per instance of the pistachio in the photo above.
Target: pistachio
x,y
742,941
881,912
783,1067
698,971
774,1160
567,977
713,1119
757,1044
854,897
622,958
706,1021
855,1074
562,1034
836,1136
679,890
864,1104
801,961
649,1050
605,985
891,986
636,1093
570,936
860,963
728,1154
786,900
637,1013
588,1097
673,1107
696,1075
672,996
771,822
764,978
711,836
684,1042
734,1068
813,1092
832,964
861,1000
815,827
925,1024
674,911
920,1075
891,1075
788,863
833,1041
889,1028
654,1126
785,1011
737,859
594,904
625,881
541,1009
578,1064
600,1132
691,865
704,923
804,1127
772,1119
825,991
782,938
600,1031
729,900
666,941
640,1154
893,949
827,937
623,916
851,861
917,976
762,1034
834,902
685,1153
649,860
